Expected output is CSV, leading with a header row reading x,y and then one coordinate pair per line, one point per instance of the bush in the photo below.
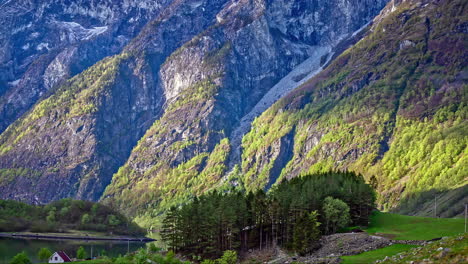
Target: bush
x,y
141,256
44,254
152,248
229,257
81,253
122,260
20,258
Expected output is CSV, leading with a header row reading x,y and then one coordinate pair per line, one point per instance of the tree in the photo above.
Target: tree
x,y
170,229
306,233
113,220
51,216
95,209
218,221
336,213
64,212
85,219
81,253
44,254
20,258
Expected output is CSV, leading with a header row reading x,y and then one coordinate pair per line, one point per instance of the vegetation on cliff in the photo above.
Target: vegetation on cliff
x,y
393,107
183,153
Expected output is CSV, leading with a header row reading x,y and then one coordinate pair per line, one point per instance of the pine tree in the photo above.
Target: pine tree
x,y
169,230
306,233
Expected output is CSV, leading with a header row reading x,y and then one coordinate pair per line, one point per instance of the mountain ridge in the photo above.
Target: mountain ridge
x,y
154,124
353,138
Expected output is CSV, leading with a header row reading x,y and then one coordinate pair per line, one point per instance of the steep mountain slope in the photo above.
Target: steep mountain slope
x,y
196,69
162,120
393,107
73,141
43,43
221,75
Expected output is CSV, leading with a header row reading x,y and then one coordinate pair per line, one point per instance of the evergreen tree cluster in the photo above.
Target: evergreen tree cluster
x,y
289,215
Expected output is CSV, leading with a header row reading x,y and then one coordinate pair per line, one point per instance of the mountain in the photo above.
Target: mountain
x,y
43,43
75,139
144,115
194,83
393,107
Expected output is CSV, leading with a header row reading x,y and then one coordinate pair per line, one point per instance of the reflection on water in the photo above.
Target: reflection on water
x,y
9,247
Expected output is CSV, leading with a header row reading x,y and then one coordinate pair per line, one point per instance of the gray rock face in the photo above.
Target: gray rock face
x,y
43,43
173,93
335,124
234,63
87,128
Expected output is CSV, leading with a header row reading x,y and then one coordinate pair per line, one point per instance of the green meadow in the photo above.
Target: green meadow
x,y
403,227
372,256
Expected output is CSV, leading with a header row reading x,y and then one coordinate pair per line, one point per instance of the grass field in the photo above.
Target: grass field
x,y
456,246
402,227
372,256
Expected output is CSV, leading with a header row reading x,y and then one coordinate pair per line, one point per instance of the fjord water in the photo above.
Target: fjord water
x,y
9,247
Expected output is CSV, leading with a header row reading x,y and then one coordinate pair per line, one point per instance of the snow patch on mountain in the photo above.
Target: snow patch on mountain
x,y
15,82
42,45
76,32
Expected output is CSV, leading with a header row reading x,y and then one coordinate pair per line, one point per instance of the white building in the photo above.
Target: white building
x,y
59,257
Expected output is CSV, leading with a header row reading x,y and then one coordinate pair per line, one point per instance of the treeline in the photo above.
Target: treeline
x,y
150,254
63,215
293,214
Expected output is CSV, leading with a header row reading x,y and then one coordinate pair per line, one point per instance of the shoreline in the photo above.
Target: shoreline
x,y
72,237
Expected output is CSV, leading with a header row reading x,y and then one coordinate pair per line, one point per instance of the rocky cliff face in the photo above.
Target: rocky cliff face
x,y
393,108
215,80
165,117
184,82
43,43
76,139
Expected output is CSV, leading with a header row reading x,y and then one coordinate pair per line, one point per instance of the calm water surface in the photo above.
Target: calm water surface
x,y
9,247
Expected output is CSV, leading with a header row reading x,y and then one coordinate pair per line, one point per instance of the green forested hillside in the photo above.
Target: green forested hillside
x,y
64,215
154,126
393,107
